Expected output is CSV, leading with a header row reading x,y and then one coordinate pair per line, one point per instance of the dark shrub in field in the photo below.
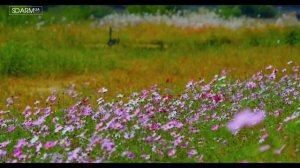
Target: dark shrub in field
x,y
14,60
255,11
292,38
229,11
152,9
262,11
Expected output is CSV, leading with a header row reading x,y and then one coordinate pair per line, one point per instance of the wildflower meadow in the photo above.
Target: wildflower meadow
x,y
195,88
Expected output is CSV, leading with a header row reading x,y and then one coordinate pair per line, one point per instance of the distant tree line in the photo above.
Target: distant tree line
x,y
57,13
254,11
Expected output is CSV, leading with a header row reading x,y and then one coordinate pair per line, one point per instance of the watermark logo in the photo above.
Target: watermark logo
x,y
25,10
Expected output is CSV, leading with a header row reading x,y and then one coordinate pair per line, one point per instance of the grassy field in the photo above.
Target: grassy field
x,y
59,54
34,61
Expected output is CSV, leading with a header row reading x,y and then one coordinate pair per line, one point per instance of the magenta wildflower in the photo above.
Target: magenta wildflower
x,y
155,127
192,152
292,117
21,143
36,103
279,128
38,146
109,145
278,151
131,155
17,152
51,99
245,118
251,85
58,128
3,154
11,128
217,98
269,67
264,148
215,127
102,90
172,152
9,102
185,145
49,144
272,76
129,135
171,125
244,161
74,154
145,156
263,137
4,144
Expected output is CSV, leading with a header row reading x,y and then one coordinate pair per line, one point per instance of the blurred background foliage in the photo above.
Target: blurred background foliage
x,y
59,13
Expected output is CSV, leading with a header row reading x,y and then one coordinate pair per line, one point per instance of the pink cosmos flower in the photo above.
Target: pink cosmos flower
x,y
3,153
264,136
102,90
38,146
272,76
192,152
278,112
172,152
278,151
292,117
217,98
178,140
251,85
57,128
269,67
51,99
244,161
36,102
99,160
17,152
185,145
9,102
4,144
49,145
215,127
149,139
171,125
146,157
109,145
129,135
264,148
279,128
131,155
11,128
21,143
74,154
245,118
155,127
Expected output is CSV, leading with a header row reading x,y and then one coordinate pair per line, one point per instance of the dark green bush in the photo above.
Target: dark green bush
x,y
255,11
292,38
267,11
152,9
262,11
229,11
15,59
